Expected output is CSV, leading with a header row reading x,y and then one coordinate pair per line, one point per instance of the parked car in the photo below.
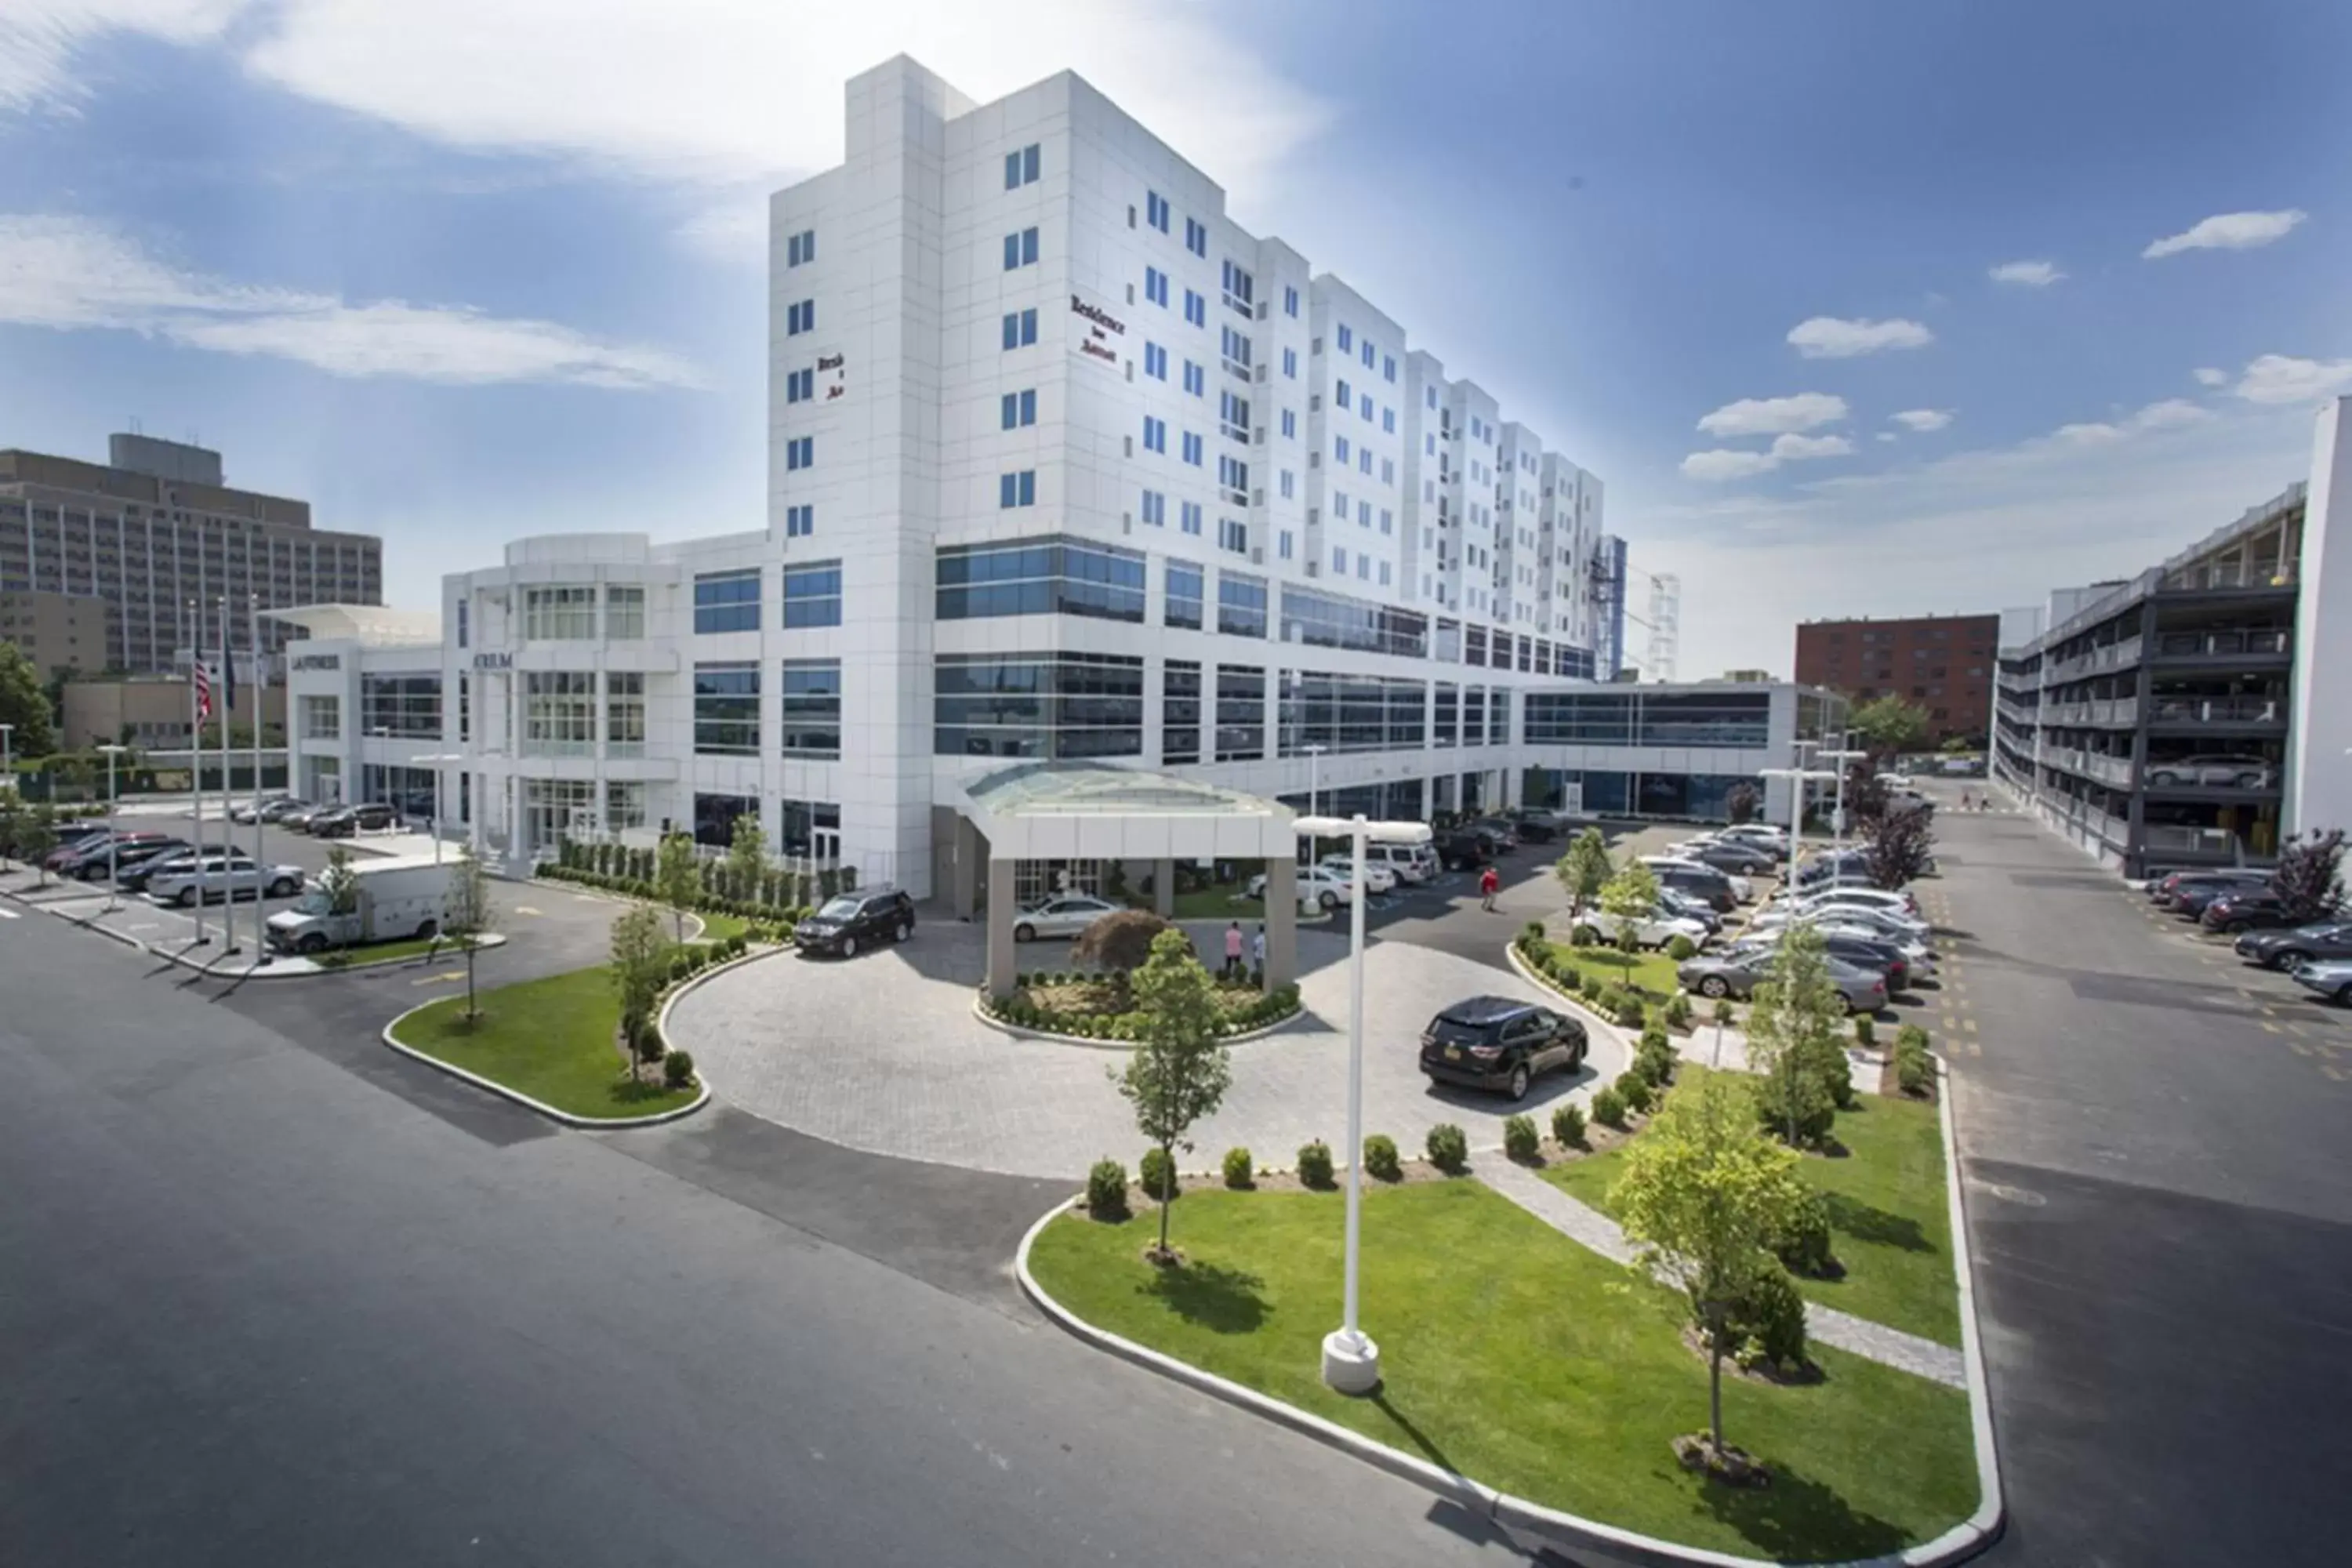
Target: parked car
x,y
1735,973
2332,978
1729,855
2175,891
1533,827
1409,862
1673,901
1065,914
2193,901
1461,851
373,817
1774,839
298,817
1657,929
1318,882
1897,900
848,922
1378,878
94,857
134,876
1500,838
1862,949
1720,890
284,805
1893,922
1500,1043
248,811
2216,770
2246,910
2292,949
2161,890
237,878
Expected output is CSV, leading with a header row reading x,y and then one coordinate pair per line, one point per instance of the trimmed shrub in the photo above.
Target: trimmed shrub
x,y
1653,1035
1314,1164
1680,949
1635,1090
1448,1147
1158,1173
1678,1010
1723,1013
1519,1138
1803,1243
1612,998
1630,1013
1837,1076
678,1069
1768,1322
1239,1172
1107,1189
1608,1108
1865,1030
1582,936
1568,1125
1532,934
1915,1068
1380,1158
1656,1063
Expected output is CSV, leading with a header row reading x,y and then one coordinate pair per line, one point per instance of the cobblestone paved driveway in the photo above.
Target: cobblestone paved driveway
x,y
882,1053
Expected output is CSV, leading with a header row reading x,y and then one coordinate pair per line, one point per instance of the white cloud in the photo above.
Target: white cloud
x,y
1887,435
70,275
2172,413
2276,378
1794,448
1725,463
1924,419
708,91
1830,337
2208,377
2227,231
1772,415
2027,273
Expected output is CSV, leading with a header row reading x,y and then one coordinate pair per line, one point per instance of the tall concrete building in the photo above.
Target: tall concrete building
x,y
155,526
59,632
1942,663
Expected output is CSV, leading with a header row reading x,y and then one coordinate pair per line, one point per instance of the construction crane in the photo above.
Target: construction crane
x,y
1663,622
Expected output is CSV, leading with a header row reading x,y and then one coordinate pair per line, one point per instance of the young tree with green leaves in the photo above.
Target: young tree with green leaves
x,y
1703,1195
747,856
340,884
469,914
1583,872
34,838
1792,1037
639,965
1889,725
678,877
25,704
1180,1069
1630,897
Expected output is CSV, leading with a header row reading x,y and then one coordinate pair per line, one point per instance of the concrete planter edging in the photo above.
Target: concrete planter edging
x,y
980,1011
1593,1020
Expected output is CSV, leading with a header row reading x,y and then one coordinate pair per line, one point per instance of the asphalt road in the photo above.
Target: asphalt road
x,y
2159,1194
271,1300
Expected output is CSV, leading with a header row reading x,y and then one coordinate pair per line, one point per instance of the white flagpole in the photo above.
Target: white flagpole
x,y
227,683
260,686
195,629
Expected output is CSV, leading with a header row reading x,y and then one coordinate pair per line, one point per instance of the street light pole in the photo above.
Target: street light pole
x,y
1314,750
1844,758
113,838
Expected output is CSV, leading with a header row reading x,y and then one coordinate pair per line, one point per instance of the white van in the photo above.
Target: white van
x,y
1409,862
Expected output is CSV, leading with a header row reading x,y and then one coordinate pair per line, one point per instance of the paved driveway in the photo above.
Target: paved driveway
x,y
882,1053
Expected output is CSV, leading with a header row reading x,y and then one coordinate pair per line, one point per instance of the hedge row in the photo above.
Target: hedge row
x,y
1022,1013
780,917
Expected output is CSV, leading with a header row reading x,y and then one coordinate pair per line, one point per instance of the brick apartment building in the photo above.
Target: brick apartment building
x,y
1943,663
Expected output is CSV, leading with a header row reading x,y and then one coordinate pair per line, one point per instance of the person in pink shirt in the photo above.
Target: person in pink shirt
x,y
1234,969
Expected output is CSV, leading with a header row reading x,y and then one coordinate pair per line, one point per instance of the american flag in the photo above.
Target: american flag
x,y
203,677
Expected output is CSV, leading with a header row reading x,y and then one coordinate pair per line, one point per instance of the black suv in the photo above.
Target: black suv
x,y
1495,1042
1462,851
866,918
347,820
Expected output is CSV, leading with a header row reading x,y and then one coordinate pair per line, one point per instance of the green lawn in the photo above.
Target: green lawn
x,y
1889,1217
550,1039
1652,973
716,927
1517,1357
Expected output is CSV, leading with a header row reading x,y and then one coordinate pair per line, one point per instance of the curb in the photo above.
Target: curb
x,y
1985,1526
584,1123
1019,1031
1593,1020
482,943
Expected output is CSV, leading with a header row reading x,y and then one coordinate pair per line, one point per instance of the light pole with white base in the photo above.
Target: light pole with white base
x,y
1842,757
1351,1361
114,838
1798,778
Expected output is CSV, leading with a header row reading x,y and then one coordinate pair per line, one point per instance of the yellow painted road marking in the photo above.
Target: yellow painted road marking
x,y
2271,1027
2299,1048
2331,1071
441,979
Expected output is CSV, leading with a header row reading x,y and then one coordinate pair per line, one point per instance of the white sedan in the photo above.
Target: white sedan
x,y
245,880
1317,883
1065,914
1655,929
1378,878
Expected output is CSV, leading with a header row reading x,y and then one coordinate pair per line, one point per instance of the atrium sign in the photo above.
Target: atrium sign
x,y
1099,336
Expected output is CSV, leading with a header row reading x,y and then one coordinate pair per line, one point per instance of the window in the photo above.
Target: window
x,y
813,594
625,614
1196,236
568,613
624,805
1283,542
1348,712
800,385
1155,361
1290,364
1019,408
406,706
1388,367
1047,705
1194,451
1344,396
1241,713
1045,576
1191,518
1155,286
801,249
1287,482
1021,167
727,601
1364,566
1388,520
559,713
1018,488
1384,573
1155,433
624,713
1021,249
1241,288
1196,308
1369,355
1330,620
1339,562
800,521
1180,711
811,708
1234,535
1196,381
1433,398
1233,416
1473,715
1182,600
1237,352
800,453
1290,425
727,710
1020,329
1364,407
1388,421
1340,449
1241,604
1155,508
1364,460
1347,342
1290,302
799,318
1155,207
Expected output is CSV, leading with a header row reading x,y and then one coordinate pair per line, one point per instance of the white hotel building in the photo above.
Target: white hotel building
x,y
1064,464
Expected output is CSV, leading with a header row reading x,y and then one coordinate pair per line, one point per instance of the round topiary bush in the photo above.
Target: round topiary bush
x,y
1656,1064
1314,1164
1678,1010
1635,1090
678,1069
1768,1323
1520,1138
1532,934
1107,1189
1448,1147
1158,1171
1803,1243
1865,1030
1380,1158
1568,1125
1630,1014
1239,1172
1583,936
1681,948
1608,1108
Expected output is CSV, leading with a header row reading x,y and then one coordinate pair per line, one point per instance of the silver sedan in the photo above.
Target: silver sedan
x,y
1065,914
1738,972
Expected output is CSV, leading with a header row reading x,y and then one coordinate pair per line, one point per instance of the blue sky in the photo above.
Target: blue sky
x,y
458,272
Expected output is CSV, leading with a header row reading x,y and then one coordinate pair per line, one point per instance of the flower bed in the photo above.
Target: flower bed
x,y
1096,1006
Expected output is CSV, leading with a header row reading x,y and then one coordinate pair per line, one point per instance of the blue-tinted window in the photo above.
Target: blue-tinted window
x,y
1196,236
1155,284
1020,249
1021,167
1347,338
799,318
1290,301
1019,408
1192,448
1156,208
1190,519
1388,367
1369,356
800,453
1042,705
1233,534
801,249
1155,433
813,594
1039,576
1196,381
1330,620
1155,508
1290,423
1290,364
800,521
1155,361
1182,604
1241,604
1017,488
800,385
1196,308
727,710
727,601
1020,329
811,708
1180,711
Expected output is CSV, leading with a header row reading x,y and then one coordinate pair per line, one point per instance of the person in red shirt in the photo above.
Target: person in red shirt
x,y
1489,884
